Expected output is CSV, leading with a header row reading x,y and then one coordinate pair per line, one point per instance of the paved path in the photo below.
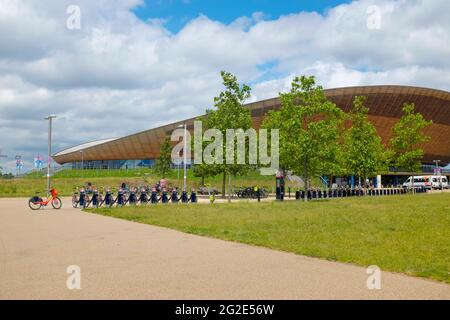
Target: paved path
x,y
126,260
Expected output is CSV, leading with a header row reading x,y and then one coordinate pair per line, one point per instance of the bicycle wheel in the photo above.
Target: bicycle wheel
x,y
87,201
75,201
99,202
35,203
57,203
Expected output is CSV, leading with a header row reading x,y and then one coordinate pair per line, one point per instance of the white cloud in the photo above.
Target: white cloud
x,y
118,74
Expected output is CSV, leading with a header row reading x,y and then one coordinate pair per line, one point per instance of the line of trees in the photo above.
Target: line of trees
x,y
6,175
316,137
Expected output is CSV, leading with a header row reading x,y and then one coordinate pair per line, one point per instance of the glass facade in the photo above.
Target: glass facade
x,y
110,164
425,168
117,164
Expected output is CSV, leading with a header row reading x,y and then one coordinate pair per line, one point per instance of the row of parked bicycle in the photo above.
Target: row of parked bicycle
x,y
238,192
133,196
251,193
348,192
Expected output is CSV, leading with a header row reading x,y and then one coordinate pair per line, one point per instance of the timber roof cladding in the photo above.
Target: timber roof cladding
x,y
385,107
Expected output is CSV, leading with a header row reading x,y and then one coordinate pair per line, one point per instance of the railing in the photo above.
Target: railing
x,y
423,169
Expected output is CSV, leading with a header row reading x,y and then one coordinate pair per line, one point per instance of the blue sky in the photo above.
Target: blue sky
x,y
176,13
122,72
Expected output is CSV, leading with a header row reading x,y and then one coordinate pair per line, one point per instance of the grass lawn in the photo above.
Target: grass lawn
x,y
408,234
26,187
66,181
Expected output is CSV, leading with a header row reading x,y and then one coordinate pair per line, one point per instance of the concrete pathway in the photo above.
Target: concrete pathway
x,y
125,260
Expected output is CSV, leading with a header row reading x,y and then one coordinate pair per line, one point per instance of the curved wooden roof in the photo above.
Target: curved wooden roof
x,y
385,107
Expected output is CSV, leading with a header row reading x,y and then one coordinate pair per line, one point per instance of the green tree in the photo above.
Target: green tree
x,y
203,171
309,129
229,113
163,163
364,153
407,138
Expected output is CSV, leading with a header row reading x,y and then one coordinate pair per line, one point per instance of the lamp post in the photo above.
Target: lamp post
x,y
184,154
3,156
49,160
82,164
18,164
437,170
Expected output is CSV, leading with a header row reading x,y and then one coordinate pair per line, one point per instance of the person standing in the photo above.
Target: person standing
x,y
258,193
212,197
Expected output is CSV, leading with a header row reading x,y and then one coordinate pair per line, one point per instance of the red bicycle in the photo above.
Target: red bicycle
x,y
36,202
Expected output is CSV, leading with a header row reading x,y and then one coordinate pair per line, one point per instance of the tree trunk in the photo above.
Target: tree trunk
x,y
229,188
306,188
203,180
305,170
365,185
412,183
223,183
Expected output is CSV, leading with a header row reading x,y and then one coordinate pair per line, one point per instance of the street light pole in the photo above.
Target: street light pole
x,y
82,164
49,160
2,156
18,164
185,156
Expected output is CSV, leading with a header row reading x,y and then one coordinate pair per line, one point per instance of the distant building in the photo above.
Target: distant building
x,y
385,108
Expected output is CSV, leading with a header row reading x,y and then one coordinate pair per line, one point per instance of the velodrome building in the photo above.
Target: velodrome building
x,y
385,108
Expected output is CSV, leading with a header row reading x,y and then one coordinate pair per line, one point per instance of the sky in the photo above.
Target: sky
x,y
131,65
175,14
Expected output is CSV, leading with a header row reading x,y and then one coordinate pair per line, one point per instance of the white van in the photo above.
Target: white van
x,y
428,182
436,182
